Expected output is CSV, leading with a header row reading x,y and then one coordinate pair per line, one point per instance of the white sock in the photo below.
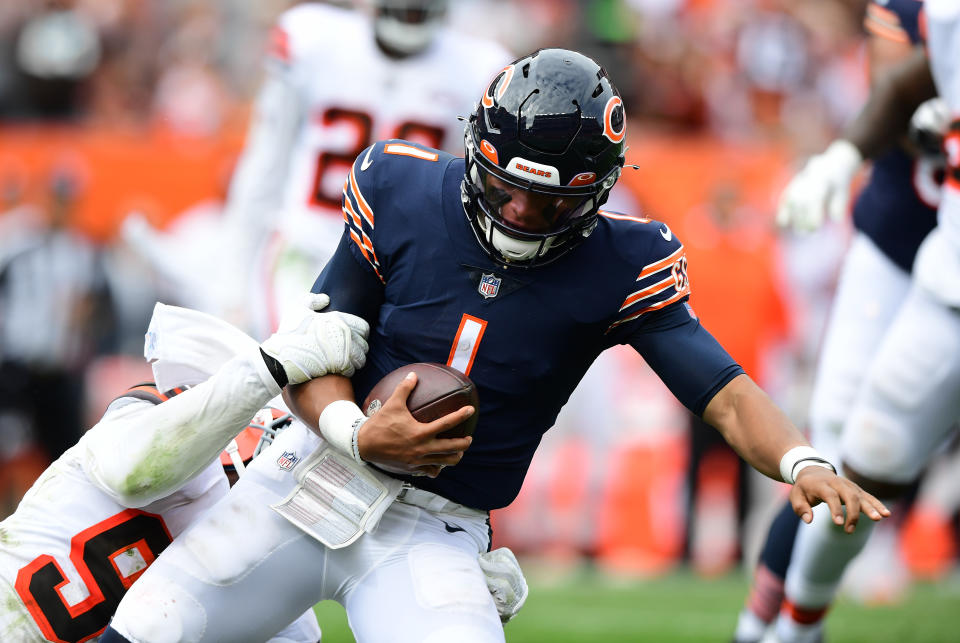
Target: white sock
x,y
787,631
749,627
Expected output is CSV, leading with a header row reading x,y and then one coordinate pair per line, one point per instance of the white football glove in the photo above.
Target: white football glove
x,y
505,581
820,189
316,343
928,126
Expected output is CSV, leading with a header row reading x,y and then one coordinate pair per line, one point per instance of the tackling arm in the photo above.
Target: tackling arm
x,y
256,190
166,445
140,454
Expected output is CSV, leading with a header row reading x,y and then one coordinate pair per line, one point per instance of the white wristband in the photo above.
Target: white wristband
x,y
797,458
340,425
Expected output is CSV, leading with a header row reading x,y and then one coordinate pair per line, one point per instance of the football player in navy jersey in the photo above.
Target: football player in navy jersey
x,y
502,265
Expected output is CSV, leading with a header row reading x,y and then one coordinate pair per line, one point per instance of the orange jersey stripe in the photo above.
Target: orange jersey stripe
x,y
361,202
655,289
348,210
885,23
366,254
657,306
622,217
660,265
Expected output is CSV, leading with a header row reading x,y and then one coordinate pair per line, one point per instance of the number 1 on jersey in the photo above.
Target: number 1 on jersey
x,y
466,343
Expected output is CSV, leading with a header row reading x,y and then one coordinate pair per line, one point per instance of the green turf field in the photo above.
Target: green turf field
x,y
587,607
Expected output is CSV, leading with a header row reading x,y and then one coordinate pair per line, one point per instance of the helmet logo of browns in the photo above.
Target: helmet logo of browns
x,y
489,285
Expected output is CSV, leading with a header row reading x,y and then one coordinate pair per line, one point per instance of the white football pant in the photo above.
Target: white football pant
x,y
870,290
243,572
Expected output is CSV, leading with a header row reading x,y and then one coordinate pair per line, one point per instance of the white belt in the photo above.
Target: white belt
x,y
430,501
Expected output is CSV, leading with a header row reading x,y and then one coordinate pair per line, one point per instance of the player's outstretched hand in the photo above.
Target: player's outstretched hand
x,y
819,484
821,189
395,441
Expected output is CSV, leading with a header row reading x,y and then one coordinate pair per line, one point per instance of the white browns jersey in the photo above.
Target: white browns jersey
x,y
340,93
72,549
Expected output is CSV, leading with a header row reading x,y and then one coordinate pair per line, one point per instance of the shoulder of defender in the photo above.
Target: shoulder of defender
x,y
147,392
475,52
307,27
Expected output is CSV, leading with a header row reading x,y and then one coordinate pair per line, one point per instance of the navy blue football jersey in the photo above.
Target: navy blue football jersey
x,y
898,206
410,264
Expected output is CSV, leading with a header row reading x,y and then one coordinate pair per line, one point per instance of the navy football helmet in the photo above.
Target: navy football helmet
x,y
407,27
548,135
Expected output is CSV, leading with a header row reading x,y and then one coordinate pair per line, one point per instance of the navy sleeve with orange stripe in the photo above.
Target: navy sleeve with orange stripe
x,y
359,192
896,20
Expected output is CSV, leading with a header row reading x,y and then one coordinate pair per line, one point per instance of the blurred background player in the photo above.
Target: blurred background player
x,y
893,213
903,406
338,80
101,513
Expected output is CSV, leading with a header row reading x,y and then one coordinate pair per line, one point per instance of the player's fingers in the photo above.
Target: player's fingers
x,y
316,301
447,446
800,505
851,500
429,470
871,506
449,420
832,498
445,459
402,392
837,206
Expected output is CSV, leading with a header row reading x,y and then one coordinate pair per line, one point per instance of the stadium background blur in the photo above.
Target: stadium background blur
x,y
113,107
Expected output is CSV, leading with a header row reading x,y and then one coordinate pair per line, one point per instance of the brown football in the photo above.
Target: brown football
x,y
440,390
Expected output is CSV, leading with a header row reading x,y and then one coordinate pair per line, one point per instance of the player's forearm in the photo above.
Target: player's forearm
x,y
139,458
307,400
256,190
885,118
753,425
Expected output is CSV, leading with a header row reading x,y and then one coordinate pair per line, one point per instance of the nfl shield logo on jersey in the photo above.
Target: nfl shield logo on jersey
x,y
288,460
489,285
